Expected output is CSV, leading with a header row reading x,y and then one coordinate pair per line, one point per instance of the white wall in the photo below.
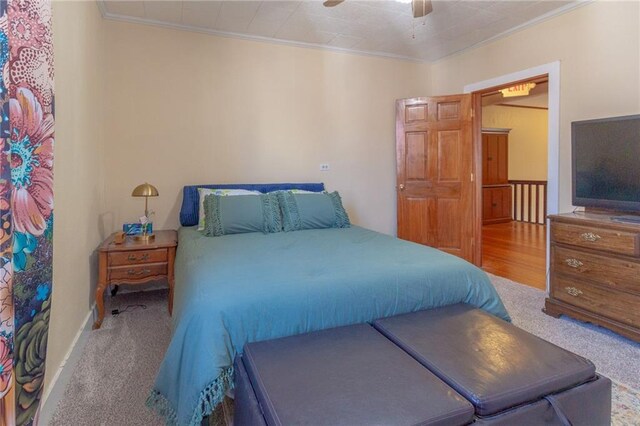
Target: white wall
x,y
187,108
79,171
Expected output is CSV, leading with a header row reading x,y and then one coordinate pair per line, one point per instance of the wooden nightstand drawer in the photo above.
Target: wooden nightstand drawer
x,y
612,272
139,272
608,303
135,262
596,238
134,257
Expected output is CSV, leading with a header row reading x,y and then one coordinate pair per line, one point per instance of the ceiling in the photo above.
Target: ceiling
x,y
384,28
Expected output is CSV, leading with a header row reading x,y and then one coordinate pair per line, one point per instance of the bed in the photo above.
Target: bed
x,y
234,289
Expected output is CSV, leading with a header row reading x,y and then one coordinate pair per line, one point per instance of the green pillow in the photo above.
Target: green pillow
x,y
241,214
312,211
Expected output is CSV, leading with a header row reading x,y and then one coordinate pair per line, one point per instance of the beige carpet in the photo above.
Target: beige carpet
x,y
112,379
110,384
614,356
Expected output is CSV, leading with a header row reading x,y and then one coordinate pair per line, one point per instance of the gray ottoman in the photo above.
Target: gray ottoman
x,y
509,375
344,376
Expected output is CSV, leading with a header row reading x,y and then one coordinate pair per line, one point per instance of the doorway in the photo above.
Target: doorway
x,y
514,181
514,198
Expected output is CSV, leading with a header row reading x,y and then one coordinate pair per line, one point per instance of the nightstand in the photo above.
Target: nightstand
x,y
135,262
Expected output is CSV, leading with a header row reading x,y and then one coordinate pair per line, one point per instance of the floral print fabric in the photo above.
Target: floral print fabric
x,y
26,204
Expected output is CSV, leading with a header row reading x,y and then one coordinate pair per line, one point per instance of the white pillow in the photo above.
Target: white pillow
x,y
203,192
301,191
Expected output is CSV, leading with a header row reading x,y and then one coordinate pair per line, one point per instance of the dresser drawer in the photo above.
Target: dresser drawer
x,y
139,272
606,302
135,257
596,238
611,272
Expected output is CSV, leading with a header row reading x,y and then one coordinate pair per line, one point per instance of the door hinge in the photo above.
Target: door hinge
x,y
473,113
471,176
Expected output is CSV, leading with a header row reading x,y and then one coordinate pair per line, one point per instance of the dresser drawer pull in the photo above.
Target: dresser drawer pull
x,y
132,257
133,272
590,236
574,263
573,291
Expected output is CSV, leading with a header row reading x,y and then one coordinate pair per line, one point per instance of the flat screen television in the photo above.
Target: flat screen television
x,y
606,163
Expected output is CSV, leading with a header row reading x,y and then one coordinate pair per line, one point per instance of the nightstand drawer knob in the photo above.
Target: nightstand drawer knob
x,y
590,236
133,258
573,291
142,272
574,263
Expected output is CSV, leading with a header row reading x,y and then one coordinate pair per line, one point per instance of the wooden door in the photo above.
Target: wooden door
x,y
434,153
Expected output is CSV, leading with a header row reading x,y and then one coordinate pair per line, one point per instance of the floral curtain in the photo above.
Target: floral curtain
x,y
26,204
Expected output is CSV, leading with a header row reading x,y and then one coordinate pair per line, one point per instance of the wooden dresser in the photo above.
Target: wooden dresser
x,y
595,271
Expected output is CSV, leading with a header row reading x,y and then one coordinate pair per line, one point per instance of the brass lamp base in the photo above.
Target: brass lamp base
x,y
146,238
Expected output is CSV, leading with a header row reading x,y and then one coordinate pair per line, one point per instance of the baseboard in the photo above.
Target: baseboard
x,y
85,324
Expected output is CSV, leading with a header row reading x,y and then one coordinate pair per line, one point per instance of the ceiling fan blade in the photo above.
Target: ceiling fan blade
x,y
331,3
421,8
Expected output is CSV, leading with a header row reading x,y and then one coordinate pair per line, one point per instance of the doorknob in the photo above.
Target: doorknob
x,y
402,187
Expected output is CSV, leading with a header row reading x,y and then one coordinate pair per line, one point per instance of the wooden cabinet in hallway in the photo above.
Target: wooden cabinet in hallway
x,y
496,190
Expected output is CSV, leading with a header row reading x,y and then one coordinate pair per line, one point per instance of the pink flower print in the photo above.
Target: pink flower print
x,y
25,29
6,366
6,297
31,149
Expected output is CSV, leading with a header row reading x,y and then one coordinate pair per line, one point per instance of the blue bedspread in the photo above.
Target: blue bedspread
x,y
240,288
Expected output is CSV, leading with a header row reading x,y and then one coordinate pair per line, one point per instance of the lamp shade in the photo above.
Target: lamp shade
x,y
145,190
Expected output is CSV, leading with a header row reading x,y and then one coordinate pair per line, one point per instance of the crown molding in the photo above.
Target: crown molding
x,y
226,34
102,8
521,106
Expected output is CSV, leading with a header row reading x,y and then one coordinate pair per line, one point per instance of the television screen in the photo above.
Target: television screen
x,y
606,163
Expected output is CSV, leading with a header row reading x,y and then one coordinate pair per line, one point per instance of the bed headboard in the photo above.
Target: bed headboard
x,y
190,200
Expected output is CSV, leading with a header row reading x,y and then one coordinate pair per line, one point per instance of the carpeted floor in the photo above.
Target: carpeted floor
x,y
614,356
112,379
117,368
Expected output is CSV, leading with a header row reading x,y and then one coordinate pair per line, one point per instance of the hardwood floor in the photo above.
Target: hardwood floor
x,y
517,251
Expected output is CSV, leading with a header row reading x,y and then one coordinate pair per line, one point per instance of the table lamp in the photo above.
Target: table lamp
x,y
145,190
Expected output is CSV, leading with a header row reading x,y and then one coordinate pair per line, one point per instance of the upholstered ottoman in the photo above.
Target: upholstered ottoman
x,y
510,376
344,376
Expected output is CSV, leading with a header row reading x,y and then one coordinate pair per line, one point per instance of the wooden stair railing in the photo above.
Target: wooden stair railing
x,y
529,200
